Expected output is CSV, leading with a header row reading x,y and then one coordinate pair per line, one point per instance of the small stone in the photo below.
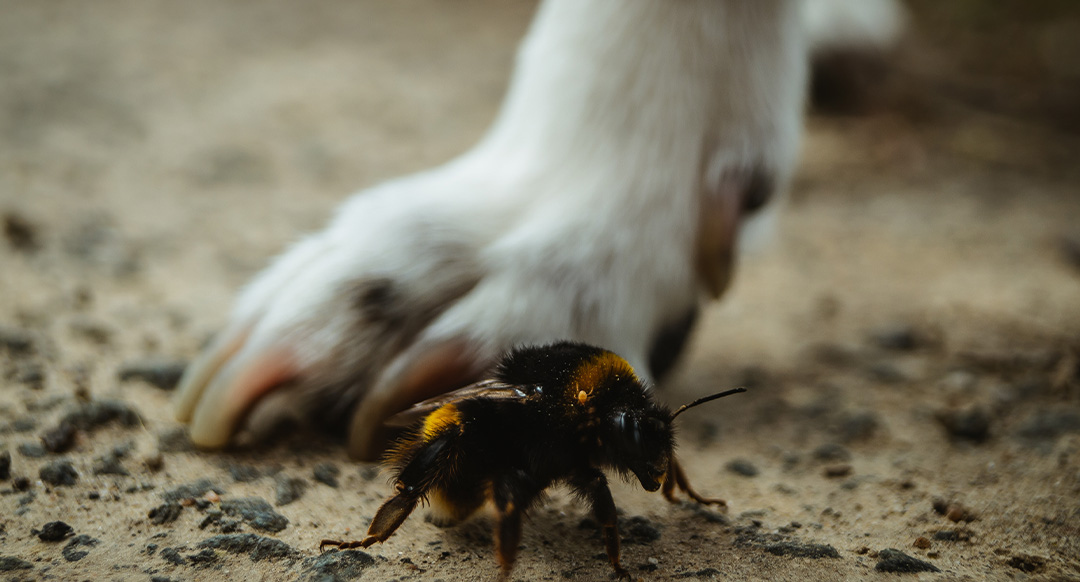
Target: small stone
x,y
891,560
109,465
53,531
163,374
742,467
922,543
20,232
802,550
897,337
154,462
16,341
175,440
257,547
165,513
60,438
5,465
20,484
835,471
32,450
344,565
327,473
288,489
11,563
192,490
61,473
1026,563
971,424
172,555
256,512
832,452
94,414
71,551
244,473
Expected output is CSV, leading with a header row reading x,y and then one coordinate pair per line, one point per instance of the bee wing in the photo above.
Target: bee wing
x,y
490,389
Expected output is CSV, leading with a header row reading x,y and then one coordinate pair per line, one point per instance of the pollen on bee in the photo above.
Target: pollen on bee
x,y
582,396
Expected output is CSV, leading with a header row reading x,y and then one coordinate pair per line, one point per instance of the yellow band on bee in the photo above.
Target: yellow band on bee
x,y
444,416
591,373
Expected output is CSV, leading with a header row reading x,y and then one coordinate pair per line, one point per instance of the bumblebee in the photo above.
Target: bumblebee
x,y
562,413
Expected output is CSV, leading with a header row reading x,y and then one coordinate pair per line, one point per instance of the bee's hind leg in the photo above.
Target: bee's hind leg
x,y
677,477
513,495
390,516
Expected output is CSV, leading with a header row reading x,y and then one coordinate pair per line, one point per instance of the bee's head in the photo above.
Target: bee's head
x,y
642,442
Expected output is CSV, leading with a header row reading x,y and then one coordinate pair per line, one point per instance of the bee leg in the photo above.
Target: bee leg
x,y
512,496
676,476
593,486
391,514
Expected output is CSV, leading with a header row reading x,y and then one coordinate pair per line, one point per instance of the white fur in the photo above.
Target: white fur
x,y
574,218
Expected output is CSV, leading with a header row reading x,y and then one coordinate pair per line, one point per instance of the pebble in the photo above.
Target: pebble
x,y
163,374
20,232
288,489
61,473
897,337
257,547
71,551
327,473
11,563
191,490
244,473
971,424
5,465
832,452
891,560
175,440
34,450
742,467
343,565
835,471
256,512
165,513
53,531
922,543
60,438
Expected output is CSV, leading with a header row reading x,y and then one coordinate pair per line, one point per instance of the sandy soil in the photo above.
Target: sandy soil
x,y
911,337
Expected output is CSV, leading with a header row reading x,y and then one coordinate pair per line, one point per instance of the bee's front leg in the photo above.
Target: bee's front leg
x,y
676,477
593,486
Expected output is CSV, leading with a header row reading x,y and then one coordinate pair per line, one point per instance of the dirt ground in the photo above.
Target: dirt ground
x,y
911,337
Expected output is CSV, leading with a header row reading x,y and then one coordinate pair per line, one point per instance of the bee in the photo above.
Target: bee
x,y
562,413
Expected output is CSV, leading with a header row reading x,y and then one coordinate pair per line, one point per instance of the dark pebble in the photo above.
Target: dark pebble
x,y
835,471
1048,425
890,560
60,438
161,579
203,558
1026,563
802,550
97,413
211,518
34,450
5,465
288,489
858,426
191,490
337,566
639,530
21,233
175,440
109,465
256,512
20,484
165,513
257,547
244,473
16,341
71,551
951,535
369,472
898,337
742,467
327,473
172,555
93,496
53,531
164,374
832,452
31,374
24,424
60,472
703,573
11,563
971,424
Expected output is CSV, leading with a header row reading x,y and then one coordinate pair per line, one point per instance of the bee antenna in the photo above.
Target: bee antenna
x,y
705,399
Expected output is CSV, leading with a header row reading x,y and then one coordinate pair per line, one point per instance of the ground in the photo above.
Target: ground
x,y
910,338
